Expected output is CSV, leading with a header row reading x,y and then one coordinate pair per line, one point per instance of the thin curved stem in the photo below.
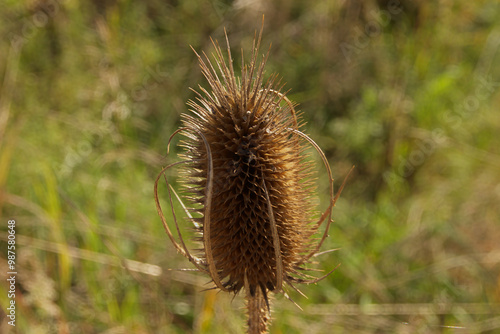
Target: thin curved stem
x,y
328,211
290,104
333,199
182,249
207,240
276,241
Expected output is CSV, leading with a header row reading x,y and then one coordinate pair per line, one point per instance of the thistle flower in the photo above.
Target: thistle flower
x,y
250,180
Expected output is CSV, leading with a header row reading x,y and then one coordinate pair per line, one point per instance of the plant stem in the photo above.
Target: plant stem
x,y
258,313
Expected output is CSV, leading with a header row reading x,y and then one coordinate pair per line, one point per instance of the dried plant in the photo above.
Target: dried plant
x,y
250,183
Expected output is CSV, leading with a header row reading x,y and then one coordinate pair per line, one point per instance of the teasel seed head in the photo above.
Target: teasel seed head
x,y
251,181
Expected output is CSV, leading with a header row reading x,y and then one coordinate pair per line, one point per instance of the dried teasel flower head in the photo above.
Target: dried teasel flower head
x,y
249,178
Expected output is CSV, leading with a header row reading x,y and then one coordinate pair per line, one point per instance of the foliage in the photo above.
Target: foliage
x,y
405,91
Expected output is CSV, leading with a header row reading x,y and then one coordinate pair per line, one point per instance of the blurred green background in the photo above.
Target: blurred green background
x,y
407,91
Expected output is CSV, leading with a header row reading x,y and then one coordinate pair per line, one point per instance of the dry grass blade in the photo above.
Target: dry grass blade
x,y
87,255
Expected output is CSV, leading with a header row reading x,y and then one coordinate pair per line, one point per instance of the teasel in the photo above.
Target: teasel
x,y
249,184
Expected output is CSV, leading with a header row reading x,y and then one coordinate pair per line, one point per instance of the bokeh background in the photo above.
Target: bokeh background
x,y
407,91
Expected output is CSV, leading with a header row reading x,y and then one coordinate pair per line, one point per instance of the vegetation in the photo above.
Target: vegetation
x,y
406,91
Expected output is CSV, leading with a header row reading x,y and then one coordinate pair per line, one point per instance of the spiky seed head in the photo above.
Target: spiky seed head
x,y
251,181
261,187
